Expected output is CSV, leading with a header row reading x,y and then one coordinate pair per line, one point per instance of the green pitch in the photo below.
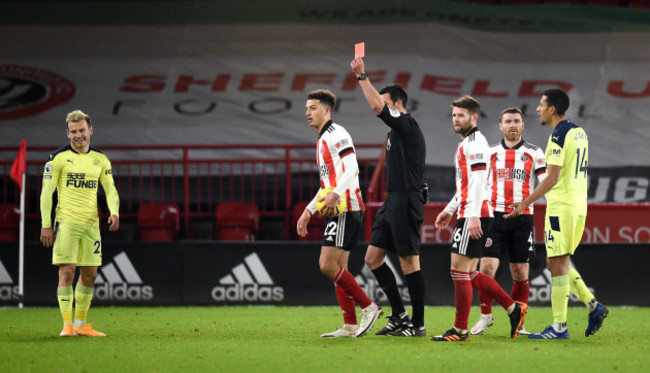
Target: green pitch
x,y
276,339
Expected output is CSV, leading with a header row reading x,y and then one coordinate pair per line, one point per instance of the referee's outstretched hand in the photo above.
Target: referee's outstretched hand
x,y
357,66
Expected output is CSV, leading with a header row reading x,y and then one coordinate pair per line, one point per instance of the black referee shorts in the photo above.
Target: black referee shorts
x,y
514,236
397,224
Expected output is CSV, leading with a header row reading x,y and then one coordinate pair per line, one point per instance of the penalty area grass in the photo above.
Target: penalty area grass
x,y
286,339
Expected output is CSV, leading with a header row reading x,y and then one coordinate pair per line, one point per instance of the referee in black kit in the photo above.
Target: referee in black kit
x,y
397,224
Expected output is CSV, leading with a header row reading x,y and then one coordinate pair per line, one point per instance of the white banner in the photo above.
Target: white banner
x,y
248,84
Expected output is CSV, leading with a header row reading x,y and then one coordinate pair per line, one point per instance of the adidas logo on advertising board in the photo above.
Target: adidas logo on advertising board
x,y
369,284
540,288
120,281
251,282
7,289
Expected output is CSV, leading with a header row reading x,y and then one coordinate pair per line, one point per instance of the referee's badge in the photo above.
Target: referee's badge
x,y
394,113
488,242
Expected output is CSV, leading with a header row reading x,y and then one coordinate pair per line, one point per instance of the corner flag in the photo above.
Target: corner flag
x,y
20,164
18,174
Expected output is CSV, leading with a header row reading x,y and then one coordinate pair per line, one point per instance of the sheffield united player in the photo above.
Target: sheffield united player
x,y
475,218
337,162
514,164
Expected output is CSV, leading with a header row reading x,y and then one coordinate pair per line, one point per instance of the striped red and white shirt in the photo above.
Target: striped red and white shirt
x,y
337,163
472,190
512,174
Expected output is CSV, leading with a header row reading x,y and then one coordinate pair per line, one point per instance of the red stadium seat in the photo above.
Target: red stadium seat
x,y
237,221
315,228
158,222
9,222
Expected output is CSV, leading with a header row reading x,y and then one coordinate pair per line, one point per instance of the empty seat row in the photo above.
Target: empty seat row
x,y
235,221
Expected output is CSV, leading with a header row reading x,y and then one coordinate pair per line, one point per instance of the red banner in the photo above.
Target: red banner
x,y
606,223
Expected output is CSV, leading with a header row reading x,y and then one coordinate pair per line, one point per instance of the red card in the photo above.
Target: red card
x,y
360,50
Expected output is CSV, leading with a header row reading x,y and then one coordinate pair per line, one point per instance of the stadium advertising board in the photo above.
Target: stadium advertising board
x,y
139,273
606,223
132,273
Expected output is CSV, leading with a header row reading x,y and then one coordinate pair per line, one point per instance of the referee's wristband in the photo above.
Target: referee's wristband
x,y
363,76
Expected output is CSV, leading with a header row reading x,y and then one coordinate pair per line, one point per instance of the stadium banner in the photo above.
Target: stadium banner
x,y
606,223
224,84
287,273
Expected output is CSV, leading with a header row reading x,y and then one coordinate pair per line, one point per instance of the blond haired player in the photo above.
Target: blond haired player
x,y
567,156
337,163
75,171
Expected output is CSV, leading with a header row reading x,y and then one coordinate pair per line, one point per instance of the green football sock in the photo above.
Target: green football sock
x,y
560,298
83,296
64,295
579,288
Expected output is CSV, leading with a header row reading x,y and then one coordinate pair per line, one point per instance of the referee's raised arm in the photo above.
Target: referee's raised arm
x,y
372,96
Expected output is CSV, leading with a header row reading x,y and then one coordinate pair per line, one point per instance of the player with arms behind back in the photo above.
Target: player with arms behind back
x,y
567,155
337,162
75,172
514,163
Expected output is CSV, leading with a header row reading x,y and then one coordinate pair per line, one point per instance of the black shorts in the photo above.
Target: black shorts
x,y
515,236
465,245
397,224
343,230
